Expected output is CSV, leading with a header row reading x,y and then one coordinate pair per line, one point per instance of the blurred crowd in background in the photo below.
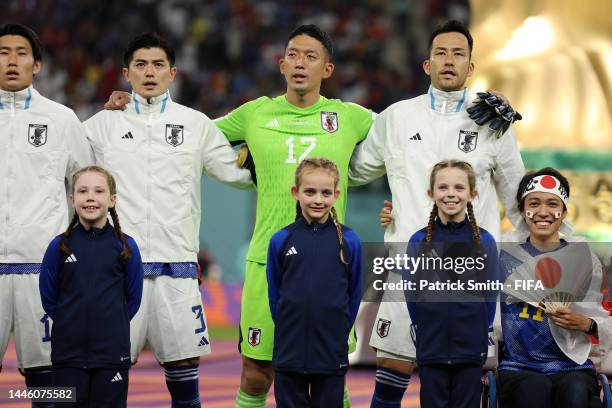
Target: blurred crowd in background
x,y
228,50
227,53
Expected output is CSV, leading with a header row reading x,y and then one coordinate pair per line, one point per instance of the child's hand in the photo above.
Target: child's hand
x,y
567,319
386,214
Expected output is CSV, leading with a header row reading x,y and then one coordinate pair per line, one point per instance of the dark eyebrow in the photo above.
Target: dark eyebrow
x,y
452,49
19,47
309,50
144,60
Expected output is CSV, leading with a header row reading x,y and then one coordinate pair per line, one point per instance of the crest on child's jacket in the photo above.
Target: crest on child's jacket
x,y
254,336
382,327
37,134
467,140
329,121
174,134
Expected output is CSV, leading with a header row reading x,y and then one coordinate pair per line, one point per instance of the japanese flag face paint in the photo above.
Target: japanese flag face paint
x,y
530,214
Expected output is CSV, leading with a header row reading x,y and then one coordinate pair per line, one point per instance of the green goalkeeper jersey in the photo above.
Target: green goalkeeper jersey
x,y
279,136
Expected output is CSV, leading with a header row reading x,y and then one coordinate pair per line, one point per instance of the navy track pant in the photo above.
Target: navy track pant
x,y
98,388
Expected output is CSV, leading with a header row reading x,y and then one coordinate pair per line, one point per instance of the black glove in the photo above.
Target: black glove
x,y
488,108
245,160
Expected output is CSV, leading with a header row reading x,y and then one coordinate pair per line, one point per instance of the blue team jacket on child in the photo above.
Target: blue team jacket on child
x,y
451,327
313,296
91,297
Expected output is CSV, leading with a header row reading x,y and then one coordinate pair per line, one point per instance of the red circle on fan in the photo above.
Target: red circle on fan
x,y
548,182
548,271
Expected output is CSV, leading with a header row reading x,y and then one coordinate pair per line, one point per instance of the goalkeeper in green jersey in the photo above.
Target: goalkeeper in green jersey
x,y
280,132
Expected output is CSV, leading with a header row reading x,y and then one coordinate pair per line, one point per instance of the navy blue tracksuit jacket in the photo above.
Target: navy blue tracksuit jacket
x,y
91,297
447,331
313,296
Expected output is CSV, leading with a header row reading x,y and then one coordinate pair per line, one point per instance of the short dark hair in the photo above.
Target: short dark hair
x,y
315,32
546,171
148,40
27,33
452,26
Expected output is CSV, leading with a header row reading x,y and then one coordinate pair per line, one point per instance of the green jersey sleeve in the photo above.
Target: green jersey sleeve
x,y
234,125
361,120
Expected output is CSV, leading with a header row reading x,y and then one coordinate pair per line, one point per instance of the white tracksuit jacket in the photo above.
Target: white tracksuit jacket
x,y
42,143
157,151
408,138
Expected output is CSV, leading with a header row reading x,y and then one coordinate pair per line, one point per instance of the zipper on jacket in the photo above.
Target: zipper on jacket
x,y
7,216
12,103
149,140
308,308
8,173
450,333
92,236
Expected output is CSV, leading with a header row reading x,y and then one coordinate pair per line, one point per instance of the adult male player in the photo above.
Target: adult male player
x,y
157,150
406,140
42,143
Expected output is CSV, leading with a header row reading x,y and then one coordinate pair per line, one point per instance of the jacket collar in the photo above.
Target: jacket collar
x,y
451,225
447,102
533,251
94,231
153,105
315,225
17,100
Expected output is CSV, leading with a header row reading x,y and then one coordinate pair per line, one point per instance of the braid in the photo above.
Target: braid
x,y
472,220
298,210
432,217
334,215
428,247
127,252
63,244
475,229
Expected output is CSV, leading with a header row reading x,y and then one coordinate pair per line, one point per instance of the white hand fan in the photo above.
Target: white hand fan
x,y
553,280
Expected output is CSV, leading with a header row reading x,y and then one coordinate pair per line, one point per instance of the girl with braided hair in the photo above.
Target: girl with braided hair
x,y
450,325
314,288
91,286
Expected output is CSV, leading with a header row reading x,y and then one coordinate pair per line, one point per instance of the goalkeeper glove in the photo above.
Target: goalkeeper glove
x,y
489,108
245,160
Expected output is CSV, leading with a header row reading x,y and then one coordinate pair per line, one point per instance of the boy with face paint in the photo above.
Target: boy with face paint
x,y
42,143
538,367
